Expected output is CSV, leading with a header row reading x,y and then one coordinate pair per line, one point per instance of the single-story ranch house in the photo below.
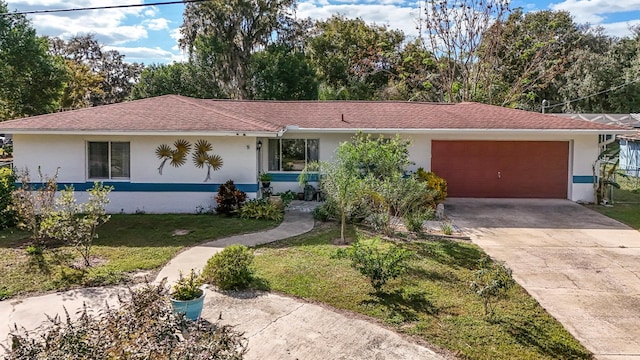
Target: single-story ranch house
x,y
481,150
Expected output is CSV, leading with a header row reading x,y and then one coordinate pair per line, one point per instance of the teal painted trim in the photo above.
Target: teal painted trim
x,y
291,177
152,187
583,179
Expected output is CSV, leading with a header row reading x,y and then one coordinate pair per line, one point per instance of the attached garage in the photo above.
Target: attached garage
x,y
503,169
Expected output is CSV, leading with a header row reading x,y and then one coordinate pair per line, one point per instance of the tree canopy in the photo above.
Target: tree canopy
x,y
31,79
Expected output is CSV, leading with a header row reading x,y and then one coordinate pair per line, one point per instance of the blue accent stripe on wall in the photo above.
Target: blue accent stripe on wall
x,y
291,177
153,187
583,179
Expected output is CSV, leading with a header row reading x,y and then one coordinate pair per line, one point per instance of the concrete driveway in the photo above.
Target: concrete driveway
x,y
582,267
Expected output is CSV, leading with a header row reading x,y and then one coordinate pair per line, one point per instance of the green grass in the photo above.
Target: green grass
x,y
626,203
128,243
431,301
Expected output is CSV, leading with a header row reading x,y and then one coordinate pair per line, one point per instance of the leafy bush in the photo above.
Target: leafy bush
x,y
379,221
435,183
378,262
144,327
327,211
229,198
446,228
7,185
34,202
230,269
414,220
187,288
76,224
261,209
492,281
287,197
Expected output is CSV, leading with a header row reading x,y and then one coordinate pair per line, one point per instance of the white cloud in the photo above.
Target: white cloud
x,y
396,17
147,55
108,24
175,34
595,11
157,24
620,29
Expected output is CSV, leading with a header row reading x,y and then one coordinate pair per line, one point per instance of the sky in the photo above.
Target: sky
x,y
150,34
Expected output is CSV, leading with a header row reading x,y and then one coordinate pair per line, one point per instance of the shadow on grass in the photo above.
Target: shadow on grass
x,y
451,253
257,287
429,275
402,306
531,334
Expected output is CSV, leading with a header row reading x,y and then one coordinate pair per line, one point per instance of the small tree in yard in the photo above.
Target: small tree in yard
x,y
76,224
358,171
493,280
33,204
378,262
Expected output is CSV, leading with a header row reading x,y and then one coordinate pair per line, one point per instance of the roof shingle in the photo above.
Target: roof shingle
x,y
174,113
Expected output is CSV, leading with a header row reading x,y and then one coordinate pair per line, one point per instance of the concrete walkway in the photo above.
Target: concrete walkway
x,y
295,223
276,327
581,266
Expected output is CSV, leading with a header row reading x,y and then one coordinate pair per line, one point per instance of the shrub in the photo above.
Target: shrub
x,y
378,262
492,281
379,221
229,198
76,224
435,183
230,269
187,288
446,227
34,202
261,209
287,197
328,210
143,327
7,186
414,220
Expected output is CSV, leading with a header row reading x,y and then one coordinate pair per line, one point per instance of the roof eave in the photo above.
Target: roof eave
x,y
297,129
141,132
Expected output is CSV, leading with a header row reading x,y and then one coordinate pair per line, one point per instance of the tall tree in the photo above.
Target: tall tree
x,y
282,73
415,75
529,51
31,80
222,34
178,78
354,60
454,30
85,52
593,69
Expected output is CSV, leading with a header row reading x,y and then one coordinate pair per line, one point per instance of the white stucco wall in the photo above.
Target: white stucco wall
x,y
583,150
68,155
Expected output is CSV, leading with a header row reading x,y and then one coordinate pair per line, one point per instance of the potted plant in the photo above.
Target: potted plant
x,y
187,296
265,178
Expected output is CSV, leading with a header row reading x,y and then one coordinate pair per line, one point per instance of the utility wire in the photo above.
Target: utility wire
x,y
98,8
592,95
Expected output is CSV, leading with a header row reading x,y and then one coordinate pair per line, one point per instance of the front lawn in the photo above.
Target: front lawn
x,y
126,244
432,301
626,204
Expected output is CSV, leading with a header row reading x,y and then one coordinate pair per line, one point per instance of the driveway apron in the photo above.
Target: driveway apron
x,y
582,267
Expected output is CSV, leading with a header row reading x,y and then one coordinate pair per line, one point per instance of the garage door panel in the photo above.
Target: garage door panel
x,y
532,169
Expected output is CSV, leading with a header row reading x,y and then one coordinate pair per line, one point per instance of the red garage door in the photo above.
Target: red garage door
x,y
508,169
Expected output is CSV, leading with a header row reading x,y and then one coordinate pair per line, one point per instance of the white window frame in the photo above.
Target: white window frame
x,y
280,157
110,177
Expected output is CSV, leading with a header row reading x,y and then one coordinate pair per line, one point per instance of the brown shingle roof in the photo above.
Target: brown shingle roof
x,y
163,113
178,113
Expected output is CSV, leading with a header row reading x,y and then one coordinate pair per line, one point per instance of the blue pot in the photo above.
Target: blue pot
x,y
191,308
